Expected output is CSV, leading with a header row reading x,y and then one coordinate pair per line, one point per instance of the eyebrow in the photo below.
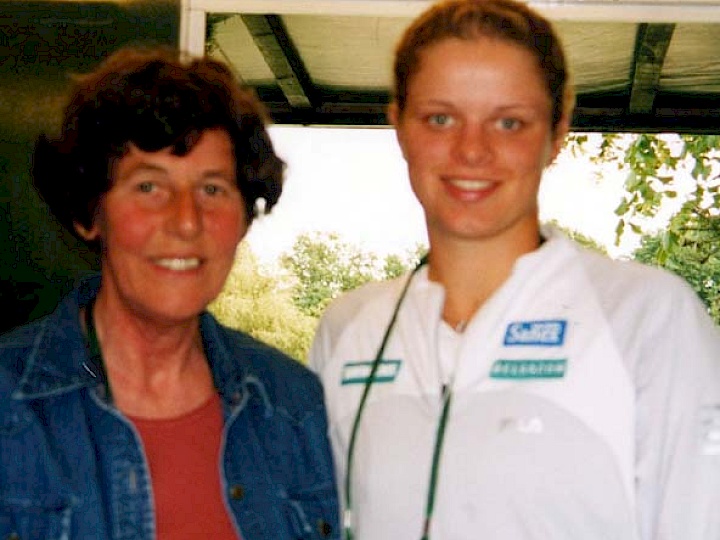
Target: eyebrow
x,y
145,166
152,167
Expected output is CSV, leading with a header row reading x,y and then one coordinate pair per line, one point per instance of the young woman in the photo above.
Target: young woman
x,y
514,386
130,412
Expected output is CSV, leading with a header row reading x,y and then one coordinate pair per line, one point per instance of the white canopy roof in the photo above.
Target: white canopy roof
x,y
641,65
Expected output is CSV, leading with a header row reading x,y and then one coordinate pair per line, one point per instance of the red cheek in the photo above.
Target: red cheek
x,y
223,235
132,226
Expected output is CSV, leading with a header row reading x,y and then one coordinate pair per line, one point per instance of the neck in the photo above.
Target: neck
x,y
154,370
471,272
144,344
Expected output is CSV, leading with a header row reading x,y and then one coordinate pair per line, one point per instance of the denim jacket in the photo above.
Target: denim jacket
x,y
72,466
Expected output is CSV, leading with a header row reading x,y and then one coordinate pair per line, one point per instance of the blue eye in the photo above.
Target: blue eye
x,y
440,119
212,189
146,187
509,124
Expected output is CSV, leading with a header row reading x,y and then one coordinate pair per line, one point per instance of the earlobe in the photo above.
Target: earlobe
x,y
561,132
89,235
393,114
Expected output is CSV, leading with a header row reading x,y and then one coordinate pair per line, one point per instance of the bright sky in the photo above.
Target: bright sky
x,y
354,182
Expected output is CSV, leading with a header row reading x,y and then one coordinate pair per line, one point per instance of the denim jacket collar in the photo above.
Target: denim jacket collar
x,y
58,360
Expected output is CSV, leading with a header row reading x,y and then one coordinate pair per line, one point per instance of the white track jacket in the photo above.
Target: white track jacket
x,y
586,405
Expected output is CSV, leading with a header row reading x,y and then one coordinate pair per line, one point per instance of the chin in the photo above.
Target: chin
x,y
172,310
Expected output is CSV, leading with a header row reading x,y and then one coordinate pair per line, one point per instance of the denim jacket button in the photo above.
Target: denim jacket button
x,y
237,492
13,536
324,528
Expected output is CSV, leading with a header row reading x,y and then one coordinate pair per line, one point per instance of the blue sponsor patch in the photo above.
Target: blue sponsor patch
x,y
359,372
543,333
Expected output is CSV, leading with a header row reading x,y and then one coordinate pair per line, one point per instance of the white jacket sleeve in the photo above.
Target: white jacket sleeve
x,y
678,419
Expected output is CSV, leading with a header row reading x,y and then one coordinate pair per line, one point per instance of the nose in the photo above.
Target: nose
x,y
186,214
473,144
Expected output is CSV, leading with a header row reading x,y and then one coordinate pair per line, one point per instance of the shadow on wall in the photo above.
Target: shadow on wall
x,y
41,45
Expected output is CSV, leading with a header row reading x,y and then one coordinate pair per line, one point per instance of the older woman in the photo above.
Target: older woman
x,y
515,386
130,412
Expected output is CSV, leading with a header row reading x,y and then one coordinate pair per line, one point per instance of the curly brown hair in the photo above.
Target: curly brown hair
x,y
152,99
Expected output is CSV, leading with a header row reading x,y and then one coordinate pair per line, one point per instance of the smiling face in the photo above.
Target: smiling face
x,y
476,132
169,227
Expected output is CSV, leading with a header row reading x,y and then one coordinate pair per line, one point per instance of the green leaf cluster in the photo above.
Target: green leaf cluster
x,y
324,266
282,308
653,164
690,242
261,305
690,247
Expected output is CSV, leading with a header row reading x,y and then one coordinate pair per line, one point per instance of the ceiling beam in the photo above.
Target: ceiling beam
x,y
654,11
671,114
282,58
651,47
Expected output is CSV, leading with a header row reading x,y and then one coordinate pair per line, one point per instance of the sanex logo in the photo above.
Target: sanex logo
x,y
549,333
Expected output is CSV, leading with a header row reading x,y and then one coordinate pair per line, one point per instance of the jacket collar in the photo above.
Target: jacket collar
x,y
58,360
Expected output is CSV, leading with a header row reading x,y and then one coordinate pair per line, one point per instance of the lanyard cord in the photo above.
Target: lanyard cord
x,y
439,436
93,347
347,515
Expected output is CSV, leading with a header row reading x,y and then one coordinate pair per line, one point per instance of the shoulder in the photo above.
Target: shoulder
x,y
16,346
639,303
263,357
54,338
649,309
22,336
284,379
18,353
612,279
631,281
363,303
358,313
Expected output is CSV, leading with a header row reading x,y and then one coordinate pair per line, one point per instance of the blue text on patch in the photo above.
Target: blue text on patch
x,y
549,333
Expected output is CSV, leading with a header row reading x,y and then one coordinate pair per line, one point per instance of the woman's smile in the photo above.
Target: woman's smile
x,y
169,218
476,132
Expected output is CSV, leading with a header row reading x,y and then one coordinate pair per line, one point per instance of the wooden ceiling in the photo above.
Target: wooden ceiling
x,y
638,66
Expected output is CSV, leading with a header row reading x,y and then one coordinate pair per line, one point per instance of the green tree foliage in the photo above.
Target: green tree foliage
x,y
695,254
283,309
655,166
580,238
325,266
262,306
661,170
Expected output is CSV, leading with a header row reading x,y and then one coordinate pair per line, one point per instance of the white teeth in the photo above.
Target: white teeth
x,y
471,184
179,264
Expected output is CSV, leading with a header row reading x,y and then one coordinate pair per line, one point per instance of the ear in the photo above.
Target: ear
x,y
393,114
559,135
89,235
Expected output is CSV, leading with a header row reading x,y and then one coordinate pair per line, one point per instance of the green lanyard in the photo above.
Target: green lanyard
x,y
439,435
94,352
439,438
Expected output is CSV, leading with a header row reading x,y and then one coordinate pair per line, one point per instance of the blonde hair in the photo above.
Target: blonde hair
x,y
508,20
